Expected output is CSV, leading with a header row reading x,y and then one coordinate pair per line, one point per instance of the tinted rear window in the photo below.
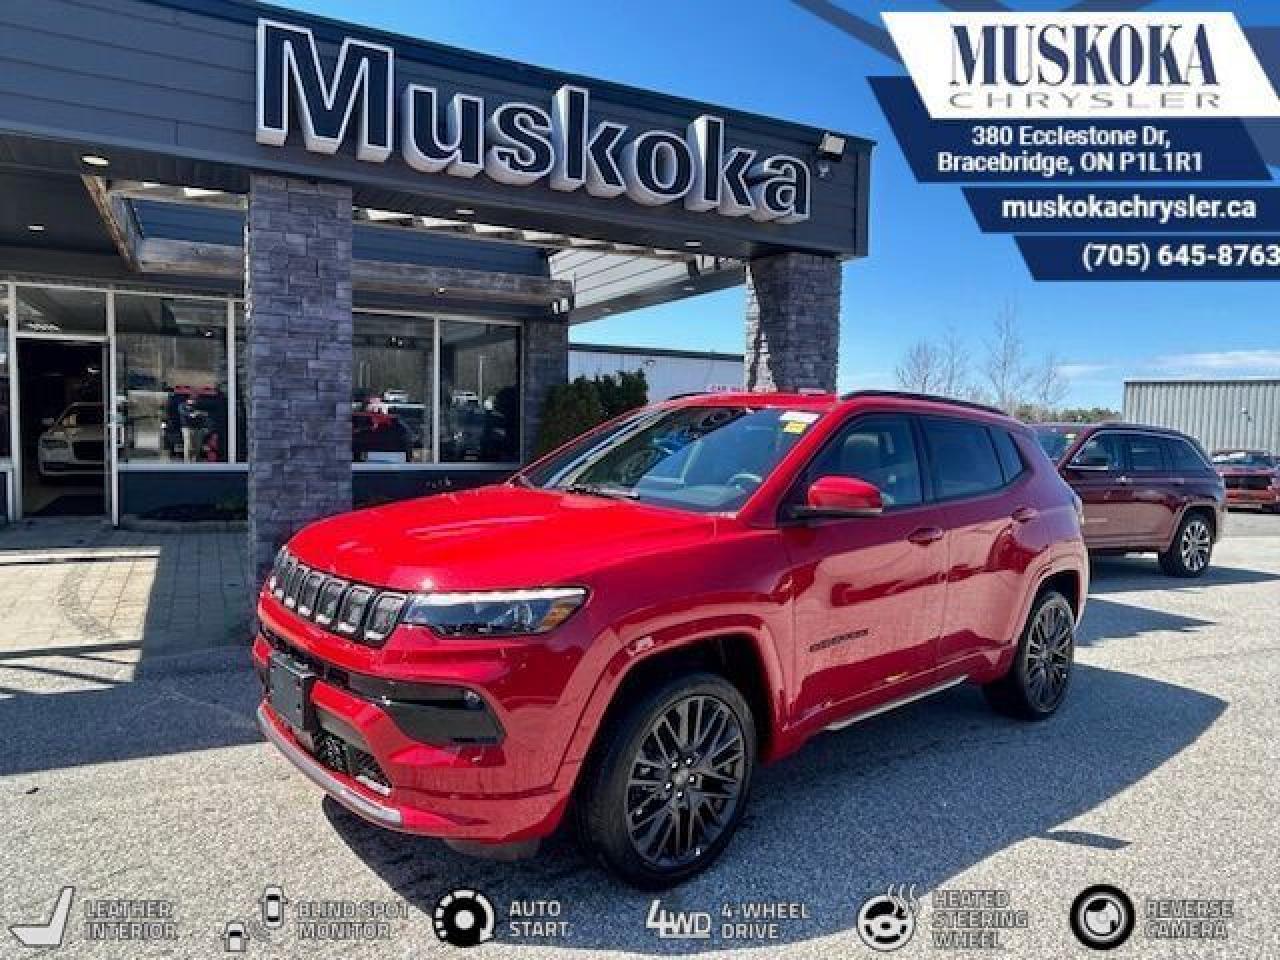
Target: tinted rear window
x,y
1007,451
962,458
1183,456
1146,454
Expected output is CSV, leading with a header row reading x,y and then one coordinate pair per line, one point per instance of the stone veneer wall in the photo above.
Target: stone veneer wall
x,y
793,322
298,311
546,363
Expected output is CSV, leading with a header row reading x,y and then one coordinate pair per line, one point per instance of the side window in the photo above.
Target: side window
x,y
1183,456
962,458
1146,454
1101,451
1007,451
880,450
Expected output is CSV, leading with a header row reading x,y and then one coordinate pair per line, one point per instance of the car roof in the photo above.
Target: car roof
x,y
1114,425
826,402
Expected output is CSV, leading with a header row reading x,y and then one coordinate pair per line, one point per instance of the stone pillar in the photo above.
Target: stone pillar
x,y
546,363
793,322
297,285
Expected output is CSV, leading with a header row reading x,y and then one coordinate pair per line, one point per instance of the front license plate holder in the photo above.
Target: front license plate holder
x,y
289,689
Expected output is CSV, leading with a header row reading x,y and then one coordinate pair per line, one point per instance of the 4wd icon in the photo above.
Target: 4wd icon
x,y
678,924
513,142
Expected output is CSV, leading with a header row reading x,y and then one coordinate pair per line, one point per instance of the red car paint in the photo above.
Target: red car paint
x,y
840,616
1252,477
1128,506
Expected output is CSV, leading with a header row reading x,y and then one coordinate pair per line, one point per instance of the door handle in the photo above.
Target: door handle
x,y
1025,514
924,536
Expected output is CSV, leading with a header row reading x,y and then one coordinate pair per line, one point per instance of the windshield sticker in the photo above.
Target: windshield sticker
x,y
794,426
799,416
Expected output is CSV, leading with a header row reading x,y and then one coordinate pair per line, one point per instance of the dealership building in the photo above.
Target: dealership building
x,y
255,258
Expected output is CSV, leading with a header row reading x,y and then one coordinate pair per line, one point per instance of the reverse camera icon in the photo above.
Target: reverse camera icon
x,y
47,934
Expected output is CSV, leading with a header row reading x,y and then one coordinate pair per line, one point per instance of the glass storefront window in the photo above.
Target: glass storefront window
x,y
5,371
242,387
479,392
391,396
60,310
171,378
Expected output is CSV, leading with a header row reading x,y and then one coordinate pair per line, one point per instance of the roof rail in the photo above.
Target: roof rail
x,y
932,398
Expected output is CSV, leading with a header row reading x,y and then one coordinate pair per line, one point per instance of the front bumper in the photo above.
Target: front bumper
x,y
496,775
1237,497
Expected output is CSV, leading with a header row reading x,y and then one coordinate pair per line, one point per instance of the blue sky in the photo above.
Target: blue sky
x,y
929,267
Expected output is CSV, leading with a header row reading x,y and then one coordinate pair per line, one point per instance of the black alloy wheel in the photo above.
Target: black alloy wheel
x,y
1040,674
668,784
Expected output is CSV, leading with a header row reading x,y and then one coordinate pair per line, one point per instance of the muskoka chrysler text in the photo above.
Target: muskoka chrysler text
x,y
627,627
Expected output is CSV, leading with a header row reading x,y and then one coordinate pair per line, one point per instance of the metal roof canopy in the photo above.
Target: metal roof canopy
x,y
166,90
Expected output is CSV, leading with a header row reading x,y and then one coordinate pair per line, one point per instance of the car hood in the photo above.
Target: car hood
x,y
73,434
492,537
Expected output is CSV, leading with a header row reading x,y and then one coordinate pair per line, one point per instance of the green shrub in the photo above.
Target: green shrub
x,y
573,408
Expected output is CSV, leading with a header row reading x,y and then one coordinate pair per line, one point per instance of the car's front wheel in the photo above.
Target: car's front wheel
x,y
1037,681
1192,548
668,785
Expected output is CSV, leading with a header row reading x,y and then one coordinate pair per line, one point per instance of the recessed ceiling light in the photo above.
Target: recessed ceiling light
x,y
93,160
693,243
36,227
464,211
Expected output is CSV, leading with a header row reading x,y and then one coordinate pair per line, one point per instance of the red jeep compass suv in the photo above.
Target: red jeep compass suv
x,y
634,621
1144,489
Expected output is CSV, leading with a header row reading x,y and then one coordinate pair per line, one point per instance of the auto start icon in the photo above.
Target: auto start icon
x,y
464,918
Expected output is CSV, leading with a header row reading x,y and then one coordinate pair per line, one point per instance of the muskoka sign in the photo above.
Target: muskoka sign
x,y
1094,65
511,142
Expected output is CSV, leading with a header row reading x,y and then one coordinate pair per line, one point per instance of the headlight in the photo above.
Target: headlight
x,y
275,580
499,613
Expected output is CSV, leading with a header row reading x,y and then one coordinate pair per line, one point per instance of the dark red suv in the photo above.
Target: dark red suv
x,y
1144,489
1252,478
630,624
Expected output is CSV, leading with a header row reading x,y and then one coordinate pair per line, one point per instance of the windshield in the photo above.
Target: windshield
x,y
81,416
1055,440
704,459
1242,458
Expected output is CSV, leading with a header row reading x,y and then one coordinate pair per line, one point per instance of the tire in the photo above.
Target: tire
x,y
1192,547
1038,679
638,830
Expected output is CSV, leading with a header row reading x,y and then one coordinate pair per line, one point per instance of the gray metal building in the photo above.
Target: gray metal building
x,y
667,372
1242,412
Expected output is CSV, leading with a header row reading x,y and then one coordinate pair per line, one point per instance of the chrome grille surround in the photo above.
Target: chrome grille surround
x,y
338,605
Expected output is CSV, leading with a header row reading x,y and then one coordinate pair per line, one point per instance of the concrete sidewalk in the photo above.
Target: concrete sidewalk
x,y
79,589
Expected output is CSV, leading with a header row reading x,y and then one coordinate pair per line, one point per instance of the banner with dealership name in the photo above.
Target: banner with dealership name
x,y
1112,146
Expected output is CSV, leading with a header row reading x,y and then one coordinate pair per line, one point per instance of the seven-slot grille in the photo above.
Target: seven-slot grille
x,y
348,609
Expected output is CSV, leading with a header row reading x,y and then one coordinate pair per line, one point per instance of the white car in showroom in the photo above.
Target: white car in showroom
x,y
73,443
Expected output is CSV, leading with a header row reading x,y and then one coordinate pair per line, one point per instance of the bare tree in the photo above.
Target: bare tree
x,y
1008,377
940,367
1006,364
955,365
921,368
1049,386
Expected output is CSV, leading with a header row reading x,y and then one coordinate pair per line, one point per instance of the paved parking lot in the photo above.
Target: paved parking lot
x,y
138,773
